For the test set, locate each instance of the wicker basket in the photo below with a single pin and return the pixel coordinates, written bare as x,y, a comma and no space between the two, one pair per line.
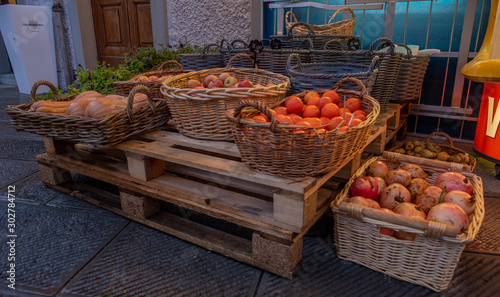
410,77
111,130
123,88
314,76
269,59
344,27
199,113
390,62
275,149
446,146
203,60
293,40
429,260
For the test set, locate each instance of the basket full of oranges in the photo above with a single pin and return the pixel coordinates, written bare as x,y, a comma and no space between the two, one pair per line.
306,134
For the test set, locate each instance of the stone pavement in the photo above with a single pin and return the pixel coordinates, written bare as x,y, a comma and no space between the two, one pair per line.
66,247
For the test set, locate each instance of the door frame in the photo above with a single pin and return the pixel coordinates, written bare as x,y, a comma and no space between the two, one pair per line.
80,12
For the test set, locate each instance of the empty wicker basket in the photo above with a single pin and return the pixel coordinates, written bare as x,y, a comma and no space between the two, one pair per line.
344,27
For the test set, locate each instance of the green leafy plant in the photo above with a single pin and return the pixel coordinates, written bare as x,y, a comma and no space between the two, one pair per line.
101,80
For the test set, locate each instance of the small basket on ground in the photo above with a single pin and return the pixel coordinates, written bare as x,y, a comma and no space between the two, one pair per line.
278,149
292,40
429,260
270,59
410,77
314,76
123,88
199,113
390,62
113,129
204,60
444,146
344,27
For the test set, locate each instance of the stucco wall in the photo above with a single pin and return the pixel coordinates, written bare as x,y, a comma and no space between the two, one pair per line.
203,22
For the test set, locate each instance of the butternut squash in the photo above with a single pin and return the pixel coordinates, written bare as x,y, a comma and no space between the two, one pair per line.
49,106
140,100
78,106
101,107
88,94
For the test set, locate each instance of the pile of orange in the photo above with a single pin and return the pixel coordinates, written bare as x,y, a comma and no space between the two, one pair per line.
324,112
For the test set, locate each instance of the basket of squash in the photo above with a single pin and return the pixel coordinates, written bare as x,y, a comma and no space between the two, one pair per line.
90,116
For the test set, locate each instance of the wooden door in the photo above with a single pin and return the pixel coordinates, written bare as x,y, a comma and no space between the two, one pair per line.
121,27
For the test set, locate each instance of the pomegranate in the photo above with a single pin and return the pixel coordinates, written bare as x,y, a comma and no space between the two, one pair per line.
359,201
462,199
366,187
399,176
408,210
414,170
428,197
378,168
416,186
393,195
454,181
384,230
373,203
381,185
449,214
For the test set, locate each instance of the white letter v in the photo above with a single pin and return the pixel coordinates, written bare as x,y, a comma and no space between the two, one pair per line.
492,123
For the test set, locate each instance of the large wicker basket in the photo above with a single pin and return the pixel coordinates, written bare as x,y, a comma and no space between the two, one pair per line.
429,260
446,146
199,113
390,62
314,76
111,130
275,149
292,40
270,59
123,88
410,77
344,27
204,60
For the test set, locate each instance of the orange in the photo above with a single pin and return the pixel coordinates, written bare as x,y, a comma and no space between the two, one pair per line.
335,122
264,116
343,129
294,104
359,116
281,110
324,101
330,110
302,123
289,97
332,95
355,122
359,111
284,119
295,118
310,95
311,111
259,119
325,121
313,101
315,122
353,104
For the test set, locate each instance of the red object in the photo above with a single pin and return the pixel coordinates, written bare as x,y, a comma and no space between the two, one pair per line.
487,138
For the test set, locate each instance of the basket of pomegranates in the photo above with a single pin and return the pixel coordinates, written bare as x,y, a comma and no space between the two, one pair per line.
306,134
410,221
198,100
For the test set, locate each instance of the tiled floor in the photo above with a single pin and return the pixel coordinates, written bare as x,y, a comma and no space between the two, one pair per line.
67,247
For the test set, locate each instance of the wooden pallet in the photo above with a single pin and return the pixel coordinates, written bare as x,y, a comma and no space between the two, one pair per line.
394,121
202,176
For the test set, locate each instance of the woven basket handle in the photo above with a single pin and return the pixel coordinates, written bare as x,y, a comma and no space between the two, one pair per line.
294,18
384,40
130,103
44,83
333,41
222,42
239,41
309,42
375,64
239,56
310,32
207,47
450,141
409,54
289,61
342,9
260,107
171,62
362,88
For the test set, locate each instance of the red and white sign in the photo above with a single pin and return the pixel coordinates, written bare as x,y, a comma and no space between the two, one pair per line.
487,138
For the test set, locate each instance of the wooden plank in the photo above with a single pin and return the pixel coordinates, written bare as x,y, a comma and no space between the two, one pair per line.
53,175
144,168
393,122
240,209
213,164
138,205
54,146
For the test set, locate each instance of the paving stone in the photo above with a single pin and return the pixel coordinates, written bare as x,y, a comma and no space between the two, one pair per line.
31,189
488,237
53,244
67,201
12,170
25,149
323,274
145,262
9,132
